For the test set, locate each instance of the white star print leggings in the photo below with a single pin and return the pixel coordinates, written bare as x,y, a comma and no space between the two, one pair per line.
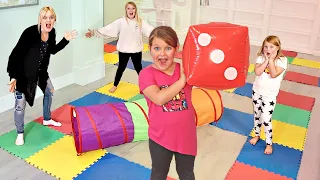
263,108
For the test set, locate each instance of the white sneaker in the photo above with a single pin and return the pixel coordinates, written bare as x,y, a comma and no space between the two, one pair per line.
51,122
19,140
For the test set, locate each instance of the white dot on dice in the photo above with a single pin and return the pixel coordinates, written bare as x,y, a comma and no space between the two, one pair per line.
230,73
217,56
204,39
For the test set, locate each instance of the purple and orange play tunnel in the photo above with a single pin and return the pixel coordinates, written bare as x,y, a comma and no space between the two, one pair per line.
111,124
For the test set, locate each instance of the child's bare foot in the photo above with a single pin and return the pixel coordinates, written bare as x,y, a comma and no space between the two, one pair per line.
254,140
268,149
113,89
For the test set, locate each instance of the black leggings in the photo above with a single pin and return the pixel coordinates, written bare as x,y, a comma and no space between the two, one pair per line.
123,61
161,159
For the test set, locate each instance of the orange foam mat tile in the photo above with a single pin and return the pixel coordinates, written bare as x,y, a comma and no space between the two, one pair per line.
243,171
109,48
62,115
61,161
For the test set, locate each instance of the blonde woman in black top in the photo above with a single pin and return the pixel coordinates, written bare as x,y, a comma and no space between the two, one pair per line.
28,67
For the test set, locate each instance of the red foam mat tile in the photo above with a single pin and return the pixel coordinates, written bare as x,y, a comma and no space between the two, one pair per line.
109,48
301,78
295,100
289,53
62,114
247,172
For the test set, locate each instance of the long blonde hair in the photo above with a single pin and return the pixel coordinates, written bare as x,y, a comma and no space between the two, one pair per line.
136,16
43,11
275,41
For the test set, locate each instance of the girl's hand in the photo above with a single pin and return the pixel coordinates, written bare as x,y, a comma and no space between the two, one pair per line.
12,85
273,56
70,35
183,77
89,34
266,58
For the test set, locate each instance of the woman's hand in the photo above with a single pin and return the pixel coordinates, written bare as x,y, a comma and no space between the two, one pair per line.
70,35
89,34
12,85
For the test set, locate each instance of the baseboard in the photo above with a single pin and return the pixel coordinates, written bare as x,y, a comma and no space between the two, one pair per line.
89,74
7,101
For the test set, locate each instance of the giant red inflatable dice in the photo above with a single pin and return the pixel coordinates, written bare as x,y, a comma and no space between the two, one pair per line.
216,55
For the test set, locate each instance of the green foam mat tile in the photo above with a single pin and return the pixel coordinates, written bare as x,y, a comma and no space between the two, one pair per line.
36,137
291,115
290,59
136,97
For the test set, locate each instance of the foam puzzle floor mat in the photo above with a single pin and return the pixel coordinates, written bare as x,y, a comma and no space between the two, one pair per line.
94,98
286,134
115,167
248,172
306,63
131,66
286,98
284,161
44,144
235,121
289,53
60,159
113,42
136,97
36,137
124,90
109,48
61,114
302,78
291,115
111,58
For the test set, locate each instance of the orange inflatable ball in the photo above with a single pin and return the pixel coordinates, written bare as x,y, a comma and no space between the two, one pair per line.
207,104
216,55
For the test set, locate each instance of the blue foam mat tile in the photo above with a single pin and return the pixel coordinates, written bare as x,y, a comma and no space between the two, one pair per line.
113,42
284,160
245,90
114,167
93,99
318,82
235,121
130,64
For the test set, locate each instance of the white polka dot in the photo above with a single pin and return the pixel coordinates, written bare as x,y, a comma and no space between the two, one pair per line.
217,56
230,73
204,39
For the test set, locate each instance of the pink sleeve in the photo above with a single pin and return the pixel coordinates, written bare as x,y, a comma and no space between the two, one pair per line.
146,79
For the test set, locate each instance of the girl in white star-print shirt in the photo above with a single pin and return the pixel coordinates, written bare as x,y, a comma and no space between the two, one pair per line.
269,69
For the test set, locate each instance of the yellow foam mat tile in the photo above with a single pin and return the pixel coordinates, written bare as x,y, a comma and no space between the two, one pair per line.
285,134
306,63
145,47
124,90
61,161
251,68
111,58
230,90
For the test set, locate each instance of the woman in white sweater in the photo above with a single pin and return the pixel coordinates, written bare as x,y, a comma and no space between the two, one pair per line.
130,30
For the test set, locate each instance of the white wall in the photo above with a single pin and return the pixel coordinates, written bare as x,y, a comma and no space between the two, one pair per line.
296,22
71,65
175,13
113,10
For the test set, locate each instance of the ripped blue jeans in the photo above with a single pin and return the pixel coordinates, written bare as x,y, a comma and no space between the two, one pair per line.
20,105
